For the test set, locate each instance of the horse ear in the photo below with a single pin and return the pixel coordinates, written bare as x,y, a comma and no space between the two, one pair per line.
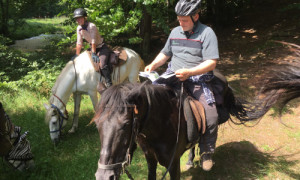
136,94
132,97
46,106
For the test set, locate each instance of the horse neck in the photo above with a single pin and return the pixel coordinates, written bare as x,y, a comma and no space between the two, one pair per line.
63,91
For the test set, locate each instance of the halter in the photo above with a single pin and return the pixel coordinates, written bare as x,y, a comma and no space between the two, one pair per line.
127,158
61,116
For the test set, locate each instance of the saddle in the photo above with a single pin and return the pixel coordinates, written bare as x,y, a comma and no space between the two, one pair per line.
117,57
194,111
195,118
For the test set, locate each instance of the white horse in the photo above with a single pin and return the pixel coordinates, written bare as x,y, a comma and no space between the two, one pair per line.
84,82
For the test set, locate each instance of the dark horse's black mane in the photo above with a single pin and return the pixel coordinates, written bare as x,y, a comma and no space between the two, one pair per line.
123,94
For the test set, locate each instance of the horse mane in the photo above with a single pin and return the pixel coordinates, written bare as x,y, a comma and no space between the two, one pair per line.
112,99
128,93
160,95
62,74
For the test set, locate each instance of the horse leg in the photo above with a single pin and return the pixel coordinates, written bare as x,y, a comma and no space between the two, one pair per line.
94,99
189,164
152,166
77,100
175,170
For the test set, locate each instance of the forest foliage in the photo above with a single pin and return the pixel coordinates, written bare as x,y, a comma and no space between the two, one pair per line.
129,23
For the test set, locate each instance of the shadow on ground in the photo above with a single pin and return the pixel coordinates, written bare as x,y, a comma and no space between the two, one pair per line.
242,160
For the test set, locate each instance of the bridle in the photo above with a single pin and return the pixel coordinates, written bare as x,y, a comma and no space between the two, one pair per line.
127,159
61,116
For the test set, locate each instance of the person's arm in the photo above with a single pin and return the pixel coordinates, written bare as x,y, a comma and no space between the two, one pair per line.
79,41
78,49
93,48
204,67
160,59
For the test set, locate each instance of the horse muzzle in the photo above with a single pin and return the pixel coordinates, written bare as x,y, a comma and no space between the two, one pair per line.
102,174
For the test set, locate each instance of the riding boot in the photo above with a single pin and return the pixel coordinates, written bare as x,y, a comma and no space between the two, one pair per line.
107,75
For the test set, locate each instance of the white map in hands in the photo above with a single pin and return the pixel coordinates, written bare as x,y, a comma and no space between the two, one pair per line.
153,75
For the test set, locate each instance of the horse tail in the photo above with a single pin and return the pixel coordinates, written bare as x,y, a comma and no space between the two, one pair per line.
282,86
235,106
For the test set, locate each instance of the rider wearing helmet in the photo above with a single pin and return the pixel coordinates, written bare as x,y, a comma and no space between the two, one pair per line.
100,52
193,49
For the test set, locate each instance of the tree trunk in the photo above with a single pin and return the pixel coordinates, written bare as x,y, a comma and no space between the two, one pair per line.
146,32
4,17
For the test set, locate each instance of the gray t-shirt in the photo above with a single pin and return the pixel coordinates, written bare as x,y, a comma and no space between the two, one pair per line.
188,53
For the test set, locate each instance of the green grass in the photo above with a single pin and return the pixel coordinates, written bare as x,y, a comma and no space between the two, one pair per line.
77,154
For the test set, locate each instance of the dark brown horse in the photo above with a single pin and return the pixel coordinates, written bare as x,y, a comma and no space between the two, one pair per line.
150,114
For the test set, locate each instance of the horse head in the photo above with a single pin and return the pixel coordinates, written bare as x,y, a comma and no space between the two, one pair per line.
122,117
117,123
56,120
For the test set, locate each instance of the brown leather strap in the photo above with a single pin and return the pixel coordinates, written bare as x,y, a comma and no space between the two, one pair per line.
199,114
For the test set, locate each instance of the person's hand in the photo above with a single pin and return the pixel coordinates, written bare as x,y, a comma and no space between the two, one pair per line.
74,57
182,74
148,68
95,58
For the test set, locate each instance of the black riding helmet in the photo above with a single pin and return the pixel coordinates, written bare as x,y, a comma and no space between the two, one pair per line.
80,12
187,7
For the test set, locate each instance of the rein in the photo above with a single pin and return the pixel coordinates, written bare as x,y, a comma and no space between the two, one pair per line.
61,115
75,75
178,130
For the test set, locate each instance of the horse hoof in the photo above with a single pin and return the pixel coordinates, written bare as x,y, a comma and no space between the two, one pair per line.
71,131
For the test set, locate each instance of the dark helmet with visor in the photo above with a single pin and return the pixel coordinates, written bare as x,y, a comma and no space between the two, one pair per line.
80,12
187,7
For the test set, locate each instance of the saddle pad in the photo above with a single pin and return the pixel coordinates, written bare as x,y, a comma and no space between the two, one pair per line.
122,53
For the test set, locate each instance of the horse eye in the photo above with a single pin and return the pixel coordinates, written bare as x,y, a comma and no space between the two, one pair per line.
54,123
